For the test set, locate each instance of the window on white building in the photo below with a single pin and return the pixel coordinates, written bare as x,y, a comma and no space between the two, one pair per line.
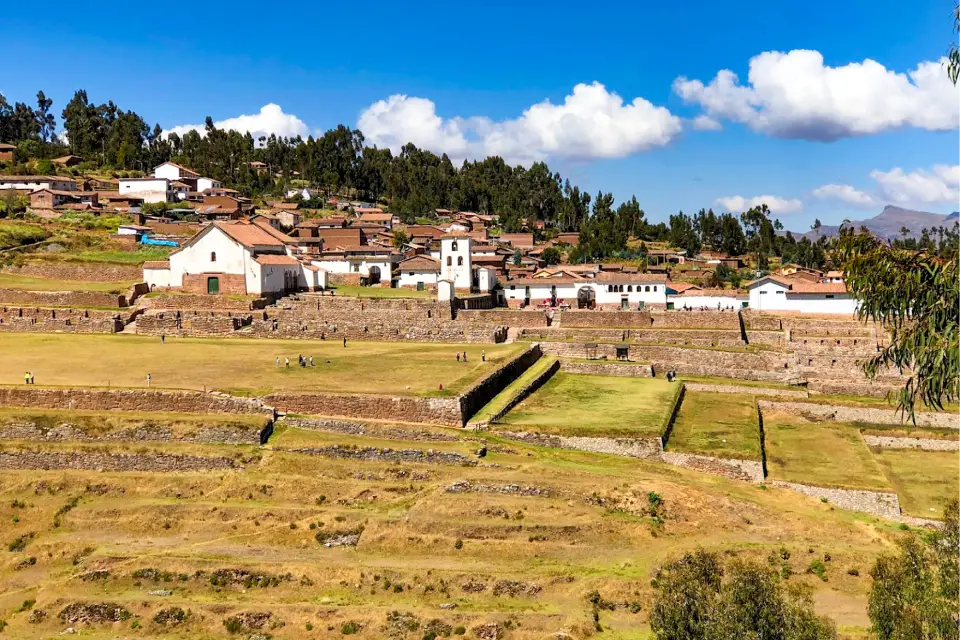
449,261
213,256
647,288
459,261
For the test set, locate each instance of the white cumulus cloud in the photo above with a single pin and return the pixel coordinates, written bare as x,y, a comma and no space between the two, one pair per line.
941,184
270,119
706,123
591,123
776,204
844,193
794,95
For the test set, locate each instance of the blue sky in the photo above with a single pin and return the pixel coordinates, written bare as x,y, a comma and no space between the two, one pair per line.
477,67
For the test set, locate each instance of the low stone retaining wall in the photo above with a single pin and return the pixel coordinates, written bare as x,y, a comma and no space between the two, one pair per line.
607,369
393,432
62,298
196,324
188,301
528,389
860,388
630,447
374,454
97,461
371,326
485,390
372,407
754,391
208,434
924,444
866,415
748,470
757,321
682,337
77,271
39,320
885,505
504,317
767,367
648,320
129,400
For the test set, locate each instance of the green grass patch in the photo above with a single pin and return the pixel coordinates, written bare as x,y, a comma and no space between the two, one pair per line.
141,255
405,368
924,480
496,405
588,405
724,425
819,453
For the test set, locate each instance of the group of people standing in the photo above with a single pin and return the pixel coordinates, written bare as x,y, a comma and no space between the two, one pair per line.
462,357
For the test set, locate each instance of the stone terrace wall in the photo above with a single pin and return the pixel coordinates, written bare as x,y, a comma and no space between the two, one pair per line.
646,320
691,337
129,400
80,271
885,505
924,444
504,317
769,338
630,447
756,321
761,366
755,391
209,434
473,399
373,407
21,319
371,326
749,470
606,369
190,301
864,415
199,324
864,387
61,298
540,380
367,305
99,461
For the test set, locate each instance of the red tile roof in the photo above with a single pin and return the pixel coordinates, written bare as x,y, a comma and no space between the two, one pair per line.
819,287
273,259
248,234
420,263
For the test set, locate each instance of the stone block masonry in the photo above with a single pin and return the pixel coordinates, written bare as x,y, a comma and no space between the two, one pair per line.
374,454
646,320
923,444
745,390
630,447
748,470
505,317
99,461
129,400
486,389
62,298
207,434
191,302
198,324
606,369
229,284
38,320
885,505
862,415
77,271
372,407
528,389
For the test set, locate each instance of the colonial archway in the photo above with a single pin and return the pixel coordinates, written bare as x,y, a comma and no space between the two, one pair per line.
586,298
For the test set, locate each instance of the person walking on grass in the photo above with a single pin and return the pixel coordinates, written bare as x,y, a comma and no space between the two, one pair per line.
483,355
311,361
163,338
344,341
458,356
278,362
286,362
26,378
32,381
148,379
464,356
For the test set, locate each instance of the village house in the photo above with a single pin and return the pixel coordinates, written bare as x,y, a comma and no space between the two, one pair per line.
33,183
780,293
67,161
239,258
153,190
54,198
693,297
517,240
605,289
8,153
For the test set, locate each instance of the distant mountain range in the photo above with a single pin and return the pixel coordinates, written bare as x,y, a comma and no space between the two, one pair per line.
889,222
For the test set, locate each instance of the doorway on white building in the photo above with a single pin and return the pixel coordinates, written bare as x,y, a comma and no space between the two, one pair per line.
586,298
374,277
213,286
624,303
